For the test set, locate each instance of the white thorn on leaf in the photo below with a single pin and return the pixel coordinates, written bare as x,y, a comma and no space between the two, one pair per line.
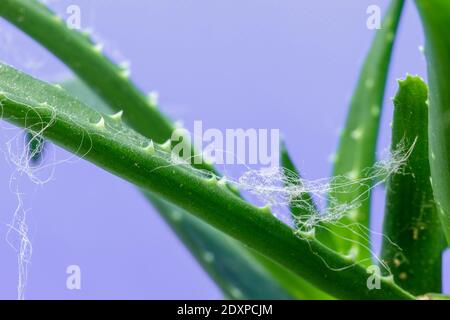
333,158
266,209
353,215
117,116
125,65
125,69
208,257
153,98
353,174
150,147
98,48
125,74
236,293
57,18
422,49
101,123
179,124
356,134
87,32
352,253
388,278
176,216
167,146
222,181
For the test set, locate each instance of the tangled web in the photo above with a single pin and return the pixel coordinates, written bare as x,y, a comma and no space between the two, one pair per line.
281,187
278,186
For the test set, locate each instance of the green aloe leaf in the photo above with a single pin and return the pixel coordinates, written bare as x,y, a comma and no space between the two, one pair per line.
86,59
297,286
435,16
358,141
106,142
413,247
226,261
238,272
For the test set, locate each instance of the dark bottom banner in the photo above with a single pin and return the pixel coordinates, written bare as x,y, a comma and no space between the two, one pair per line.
218,309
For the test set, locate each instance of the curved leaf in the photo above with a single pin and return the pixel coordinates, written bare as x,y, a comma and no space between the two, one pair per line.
108,143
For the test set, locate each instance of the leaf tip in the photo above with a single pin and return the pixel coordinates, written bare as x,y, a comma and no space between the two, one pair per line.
411,86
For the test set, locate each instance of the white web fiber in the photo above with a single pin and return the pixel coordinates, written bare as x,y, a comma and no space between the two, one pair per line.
279,187
30,165
18,156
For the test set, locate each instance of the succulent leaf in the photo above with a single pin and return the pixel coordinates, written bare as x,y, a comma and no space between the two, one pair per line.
66,121
414,239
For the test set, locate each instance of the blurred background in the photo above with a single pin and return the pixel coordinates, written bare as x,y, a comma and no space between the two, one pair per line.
290,65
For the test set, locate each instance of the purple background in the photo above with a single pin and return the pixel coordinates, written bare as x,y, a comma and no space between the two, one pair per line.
231,63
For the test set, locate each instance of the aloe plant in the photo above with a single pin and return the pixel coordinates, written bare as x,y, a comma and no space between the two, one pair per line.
244,248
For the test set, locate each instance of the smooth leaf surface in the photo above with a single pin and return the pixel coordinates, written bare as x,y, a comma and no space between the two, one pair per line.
238,274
